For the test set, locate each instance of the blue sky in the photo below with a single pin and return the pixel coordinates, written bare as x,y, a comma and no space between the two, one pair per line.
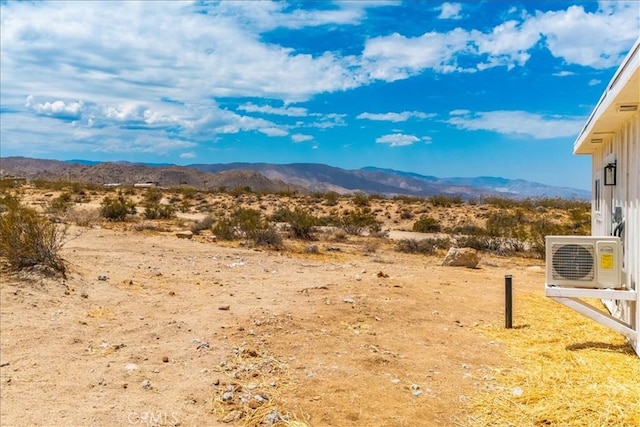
477,88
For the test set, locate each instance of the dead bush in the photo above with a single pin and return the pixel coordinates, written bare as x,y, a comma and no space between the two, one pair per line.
204,224
28,239
268,237
424,246
83,217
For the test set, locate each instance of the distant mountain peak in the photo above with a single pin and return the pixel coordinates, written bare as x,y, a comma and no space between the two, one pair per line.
311,177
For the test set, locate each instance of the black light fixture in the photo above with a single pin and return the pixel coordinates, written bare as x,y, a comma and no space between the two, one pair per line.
610,174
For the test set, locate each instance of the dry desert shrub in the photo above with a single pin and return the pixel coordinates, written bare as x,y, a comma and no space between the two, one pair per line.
269,237
117,209
28,239
154,208
204,224
425,246
83,217
427,224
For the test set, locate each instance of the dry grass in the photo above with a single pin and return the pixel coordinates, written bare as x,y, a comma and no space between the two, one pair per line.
568,371
249,395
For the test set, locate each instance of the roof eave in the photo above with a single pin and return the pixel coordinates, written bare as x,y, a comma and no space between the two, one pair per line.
623,90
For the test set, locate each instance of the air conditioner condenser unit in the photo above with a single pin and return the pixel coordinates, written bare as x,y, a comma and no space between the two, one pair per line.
584,261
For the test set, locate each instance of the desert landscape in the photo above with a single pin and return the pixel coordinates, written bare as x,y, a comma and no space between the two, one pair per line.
242,308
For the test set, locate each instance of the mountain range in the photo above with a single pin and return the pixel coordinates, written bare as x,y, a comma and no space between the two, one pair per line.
300,177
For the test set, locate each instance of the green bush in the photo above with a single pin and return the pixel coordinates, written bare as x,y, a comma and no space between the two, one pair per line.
361,200
224,229
426,224
469,230
501,202
154,209
28,239
300,221
406,214
331,199
357,221
60,204
244,222
507,224
445,200
118,208
249,221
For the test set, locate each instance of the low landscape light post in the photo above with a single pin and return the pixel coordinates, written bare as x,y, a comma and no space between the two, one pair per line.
508,302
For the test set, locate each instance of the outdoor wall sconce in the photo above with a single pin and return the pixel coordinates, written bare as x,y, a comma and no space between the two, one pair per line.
610,174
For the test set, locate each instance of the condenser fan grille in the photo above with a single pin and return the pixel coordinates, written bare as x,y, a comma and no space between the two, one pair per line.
573,262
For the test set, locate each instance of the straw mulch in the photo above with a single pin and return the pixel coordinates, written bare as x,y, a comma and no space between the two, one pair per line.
568,371
248,393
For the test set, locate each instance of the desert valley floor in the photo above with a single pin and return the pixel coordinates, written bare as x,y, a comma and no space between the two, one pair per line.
335,338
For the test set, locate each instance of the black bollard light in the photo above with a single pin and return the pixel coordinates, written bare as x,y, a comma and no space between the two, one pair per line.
508,302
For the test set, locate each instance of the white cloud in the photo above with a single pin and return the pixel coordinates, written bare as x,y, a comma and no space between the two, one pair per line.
273,131
394,117
267,109
188,155
450,11
564,73
520,123
298,137
594,82
267,15
58,108
397,140
597,39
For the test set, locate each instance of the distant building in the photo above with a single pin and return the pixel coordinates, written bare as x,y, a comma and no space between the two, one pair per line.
148,184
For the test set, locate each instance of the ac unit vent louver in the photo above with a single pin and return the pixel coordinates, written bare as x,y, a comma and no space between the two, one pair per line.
573,262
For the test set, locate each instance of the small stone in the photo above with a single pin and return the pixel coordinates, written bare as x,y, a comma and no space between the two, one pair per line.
232,416
146,384
395,380
130,367
83,294
224,307
227,396
272,417
184,234
348,300
103,278
260,398
165,359
417,393
517,392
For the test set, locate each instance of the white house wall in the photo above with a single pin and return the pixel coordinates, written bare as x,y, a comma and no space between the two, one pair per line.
624,147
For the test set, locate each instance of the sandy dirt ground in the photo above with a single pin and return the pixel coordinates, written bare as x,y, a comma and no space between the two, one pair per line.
149,329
